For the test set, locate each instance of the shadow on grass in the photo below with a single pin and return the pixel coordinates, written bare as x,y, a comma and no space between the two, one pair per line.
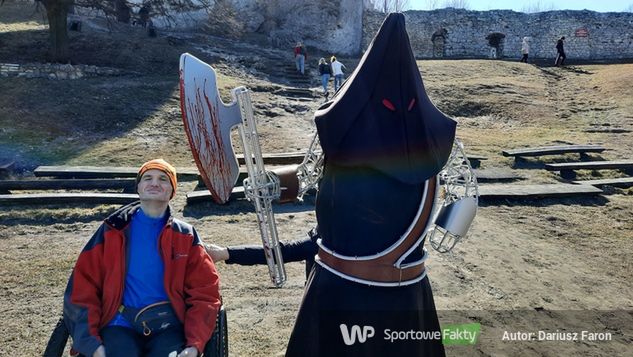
53,121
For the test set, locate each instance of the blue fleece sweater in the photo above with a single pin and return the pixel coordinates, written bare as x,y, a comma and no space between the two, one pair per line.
145,268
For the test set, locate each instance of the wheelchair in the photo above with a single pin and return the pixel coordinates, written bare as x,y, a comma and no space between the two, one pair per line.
218,345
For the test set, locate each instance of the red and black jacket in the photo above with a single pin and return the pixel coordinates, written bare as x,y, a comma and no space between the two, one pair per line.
95,288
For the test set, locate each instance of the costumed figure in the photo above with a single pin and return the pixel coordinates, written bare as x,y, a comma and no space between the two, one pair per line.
385,144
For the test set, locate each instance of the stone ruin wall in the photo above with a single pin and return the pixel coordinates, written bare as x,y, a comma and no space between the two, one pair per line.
55,71
345,27
332,25
456,33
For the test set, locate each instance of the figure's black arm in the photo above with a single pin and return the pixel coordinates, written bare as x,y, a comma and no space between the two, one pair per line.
293,251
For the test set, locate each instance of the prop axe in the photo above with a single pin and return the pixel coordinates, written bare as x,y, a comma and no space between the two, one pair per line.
208,123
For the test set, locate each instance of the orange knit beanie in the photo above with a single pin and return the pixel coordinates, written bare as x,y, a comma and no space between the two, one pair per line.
162,165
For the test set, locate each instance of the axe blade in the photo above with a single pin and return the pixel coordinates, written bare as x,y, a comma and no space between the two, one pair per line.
208,122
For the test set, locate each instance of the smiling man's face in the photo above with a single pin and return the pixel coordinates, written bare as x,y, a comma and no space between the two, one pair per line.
154,186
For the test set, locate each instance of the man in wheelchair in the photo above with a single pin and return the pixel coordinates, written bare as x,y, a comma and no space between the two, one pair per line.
143,285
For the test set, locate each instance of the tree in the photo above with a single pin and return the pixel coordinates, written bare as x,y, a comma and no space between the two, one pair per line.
537,6
432,4
457,4
387,6
57,15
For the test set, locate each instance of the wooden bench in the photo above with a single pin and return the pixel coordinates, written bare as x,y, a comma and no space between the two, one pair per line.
68,198
205,195
475,160
495,175
284,158
487,175
615,182
607,130
289,158
92,172
553,150
127,184
567,168
495,191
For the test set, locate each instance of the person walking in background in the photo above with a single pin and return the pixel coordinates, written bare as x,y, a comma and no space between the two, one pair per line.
560,58
325,71
525,49
301,55
337,69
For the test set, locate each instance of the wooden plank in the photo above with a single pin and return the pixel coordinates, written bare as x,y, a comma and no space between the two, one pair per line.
283,158
615,182
290,158
485,191
495,175
485,175
607,130
68,184
590,165
184,174
553,150
68,198
534,191
205,195
476,157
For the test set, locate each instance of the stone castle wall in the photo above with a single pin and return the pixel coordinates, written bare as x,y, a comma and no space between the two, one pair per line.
331,25
458,33
345,27
55,71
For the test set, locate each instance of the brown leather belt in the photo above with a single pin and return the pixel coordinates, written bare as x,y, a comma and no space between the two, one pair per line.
371,270
383,269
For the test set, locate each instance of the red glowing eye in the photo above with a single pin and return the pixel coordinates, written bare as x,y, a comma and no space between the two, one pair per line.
388,105
411,104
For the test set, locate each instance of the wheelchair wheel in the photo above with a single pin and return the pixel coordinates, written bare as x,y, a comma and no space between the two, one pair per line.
57,341
218,345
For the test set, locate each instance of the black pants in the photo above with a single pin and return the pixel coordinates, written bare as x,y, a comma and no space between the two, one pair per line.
560,59
124,342
524,58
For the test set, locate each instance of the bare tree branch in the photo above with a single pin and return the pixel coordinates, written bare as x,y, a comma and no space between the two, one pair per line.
457,4
387,6
538,6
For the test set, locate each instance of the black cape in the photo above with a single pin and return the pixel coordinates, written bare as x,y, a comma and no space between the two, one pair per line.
383,140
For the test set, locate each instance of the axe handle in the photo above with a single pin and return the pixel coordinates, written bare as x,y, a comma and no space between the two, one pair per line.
261,188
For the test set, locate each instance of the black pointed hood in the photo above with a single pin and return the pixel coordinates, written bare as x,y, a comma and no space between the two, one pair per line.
382,117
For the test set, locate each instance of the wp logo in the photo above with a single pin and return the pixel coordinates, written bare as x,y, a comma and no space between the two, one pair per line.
356,332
